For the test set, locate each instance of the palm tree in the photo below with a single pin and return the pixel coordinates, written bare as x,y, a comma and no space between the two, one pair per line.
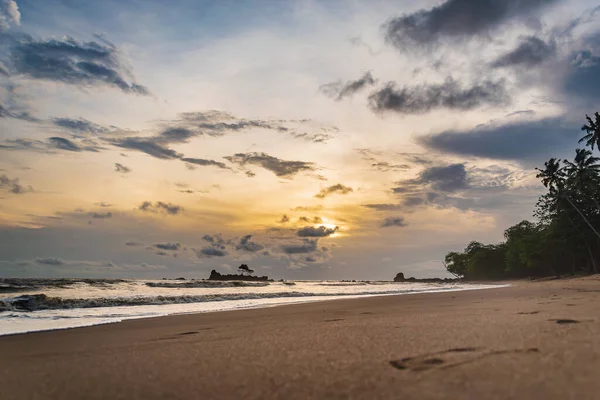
583,173
552,176
592,130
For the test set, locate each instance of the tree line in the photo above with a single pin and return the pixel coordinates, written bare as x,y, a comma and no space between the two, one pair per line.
564,238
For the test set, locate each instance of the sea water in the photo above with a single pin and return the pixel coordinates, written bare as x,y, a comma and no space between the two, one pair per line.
70,303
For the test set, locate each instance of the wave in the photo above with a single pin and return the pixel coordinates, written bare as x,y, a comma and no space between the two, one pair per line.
42,302
19,284
206,284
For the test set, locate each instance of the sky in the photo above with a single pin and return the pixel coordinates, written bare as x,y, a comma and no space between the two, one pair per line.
309,139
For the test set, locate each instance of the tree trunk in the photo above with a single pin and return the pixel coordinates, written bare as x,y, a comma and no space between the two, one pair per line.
592,258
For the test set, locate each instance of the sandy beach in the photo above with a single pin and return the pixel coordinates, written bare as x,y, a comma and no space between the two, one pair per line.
532,340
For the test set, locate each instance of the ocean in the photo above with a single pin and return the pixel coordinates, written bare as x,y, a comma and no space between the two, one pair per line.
28,305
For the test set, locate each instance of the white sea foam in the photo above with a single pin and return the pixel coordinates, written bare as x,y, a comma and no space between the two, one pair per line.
79,303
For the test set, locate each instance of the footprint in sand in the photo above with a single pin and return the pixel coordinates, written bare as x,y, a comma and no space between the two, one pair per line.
451,358
564,321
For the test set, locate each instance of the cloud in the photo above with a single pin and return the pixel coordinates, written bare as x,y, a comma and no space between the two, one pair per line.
168,246
583,76
530,52
281,168
103,204
156,146
121,168
307,246
133,244
284,219
321,231
246,244
219,123
522,140
72,62
79,126
384,207
458,19
426,97
146,145
97,215
314,220
160,207
339,90
445,178
50,261
385,166
9,14
212,251
335,189
13,185
204,163
394,221
68,145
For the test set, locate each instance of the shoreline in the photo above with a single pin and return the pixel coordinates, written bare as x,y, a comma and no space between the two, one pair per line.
264,303
528,340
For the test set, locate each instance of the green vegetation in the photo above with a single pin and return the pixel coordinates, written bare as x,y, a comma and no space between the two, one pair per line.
565,239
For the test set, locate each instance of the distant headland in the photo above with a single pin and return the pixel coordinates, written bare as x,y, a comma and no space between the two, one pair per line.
244,275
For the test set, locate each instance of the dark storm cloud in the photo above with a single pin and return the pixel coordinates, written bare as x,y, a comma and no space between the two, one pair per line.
246,244
72,62
393,221
307,246
204,163
13,185
168,246
282,168
161,207
320,231
530,52
79,126
339,90
457,19
450,94
121,168
335,189
528,140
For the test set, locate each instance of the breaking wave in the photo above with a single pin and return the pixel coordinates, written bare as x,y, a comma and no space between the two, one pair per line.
42,302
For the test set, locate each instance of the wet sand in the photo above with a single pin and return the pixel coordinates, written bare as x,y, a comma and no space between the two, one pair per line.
533,340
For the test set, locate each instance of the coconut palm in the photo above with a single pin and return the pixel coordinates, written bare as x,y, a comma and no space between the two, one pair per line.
584,172
592,130
553,175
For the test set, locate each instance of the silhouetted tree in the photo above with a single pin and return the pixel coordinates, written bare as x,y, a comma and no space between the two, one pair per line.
592,130
244,269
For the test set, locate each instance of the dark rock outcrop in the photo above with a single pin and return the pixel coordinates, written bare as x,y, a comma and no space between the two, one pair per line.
400,278
215,276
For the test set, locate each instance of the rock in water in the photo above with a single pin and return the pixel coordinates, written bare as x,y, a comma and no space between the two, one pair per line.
399,277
